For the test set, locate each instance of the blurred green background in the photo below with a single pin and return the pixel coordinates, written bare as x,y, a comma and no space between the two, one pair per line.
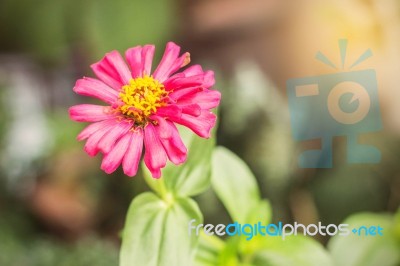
58,208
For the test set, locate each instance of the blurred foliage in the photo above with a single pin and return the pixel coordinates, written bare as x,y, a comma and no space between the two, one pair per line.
137,22
369,250
41,252
21,245
4,119
50,30
64,131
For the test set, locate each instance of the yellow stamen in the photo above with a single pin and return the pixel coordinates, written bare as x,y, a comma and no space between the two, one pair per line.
141,98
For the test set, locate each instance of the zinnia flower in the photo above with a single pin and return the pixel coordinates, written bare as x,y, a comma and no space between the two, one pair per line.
142,108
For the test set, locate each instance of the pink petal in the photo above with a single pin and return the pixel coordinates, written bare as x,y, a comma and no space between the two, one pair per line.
134,58
90,113
154,156
95,88
193,70
209,79
140,60
184,82
113,159
173,145
131,160
206,99
107,142
171,79
147,59
182,61
191,109
169,111
175,76
194,75
171,54
163,128
112,70
92,128
201,125
176,94
91,146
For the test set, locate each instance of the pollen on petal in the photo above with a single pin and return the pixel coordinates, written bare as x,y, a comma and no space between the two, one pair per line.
186,61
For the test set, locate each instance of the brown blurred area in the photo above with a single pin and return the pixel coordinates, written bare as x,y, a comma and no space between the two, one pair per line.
283,37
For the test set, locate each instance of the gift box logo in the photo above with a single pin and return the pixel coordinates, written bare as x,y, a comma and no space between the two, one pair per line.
339,104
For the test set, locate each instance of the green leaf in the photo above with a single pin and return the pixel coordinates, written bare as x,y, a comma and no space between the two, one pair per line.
156,232
294,250
208,251
262,212
234,184
190,178
355,250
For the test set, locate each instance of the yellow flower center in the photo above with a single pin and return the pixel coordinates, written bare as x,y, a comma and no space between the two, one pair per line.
141,98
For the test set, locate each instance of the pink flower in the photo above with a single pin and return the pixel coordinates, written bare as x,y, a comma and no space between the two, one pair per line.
142,108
